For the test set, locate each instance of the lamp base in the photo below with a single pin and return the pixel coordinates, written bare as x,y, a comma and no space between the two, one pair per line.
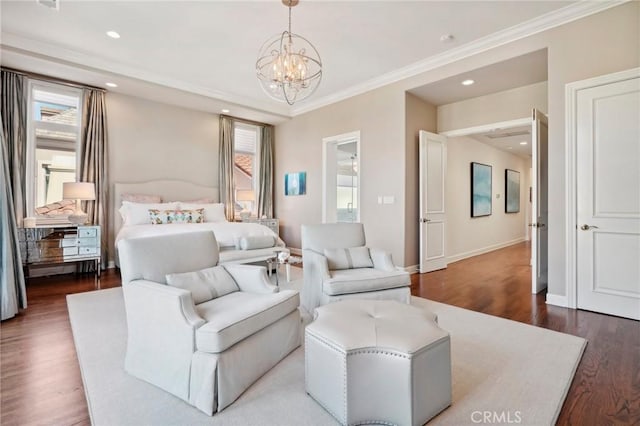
79,218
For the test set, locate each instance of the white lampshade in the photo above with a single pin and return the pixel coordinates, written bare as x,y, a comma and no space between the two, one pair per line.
79,191
245,195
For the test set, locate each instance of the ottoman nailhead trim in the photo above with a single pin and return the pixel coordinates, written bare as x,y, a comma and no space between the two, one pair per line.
378,351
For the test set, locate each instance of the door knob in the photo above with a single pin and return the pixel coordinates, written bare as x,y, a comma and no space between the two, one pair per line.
586,227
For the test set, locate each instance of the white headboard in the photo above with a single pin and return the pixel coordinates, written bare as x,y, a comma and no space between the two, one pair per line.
169,190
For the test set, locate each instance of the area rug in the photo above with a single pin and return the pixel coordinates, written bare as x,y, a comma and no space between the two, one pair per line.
503,372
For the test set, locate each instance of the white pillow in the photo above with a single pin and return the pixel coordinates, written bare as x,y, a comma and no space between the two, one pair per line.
348,258
138,213
213,212
204,285
256,242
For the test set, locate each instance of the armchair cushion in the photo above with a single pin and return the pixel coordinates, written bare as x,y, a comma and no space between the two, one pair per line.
363,280
348,258
238,315
204,285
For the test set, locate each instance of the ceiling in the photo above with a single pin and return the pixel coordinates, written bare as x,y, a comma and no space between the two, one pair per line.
202,54
510,140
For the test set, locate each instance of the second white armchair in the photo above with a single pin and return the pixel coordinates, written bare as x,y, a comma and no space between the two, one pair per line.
338,265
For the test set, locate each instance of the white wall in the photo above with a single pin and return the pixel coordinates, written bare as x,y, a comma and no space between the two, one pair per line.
380,116
501,106
467,236
149,140
598,44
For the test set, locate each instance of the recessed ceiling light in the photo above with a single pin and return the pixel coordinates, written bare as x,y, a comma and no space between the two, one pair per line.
111,84
523,143
468,82
446,38
113,34
225,111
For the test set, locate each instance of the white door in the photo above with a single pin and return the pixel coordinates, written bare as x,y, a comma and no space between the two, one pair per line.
608,198
433,219
539,202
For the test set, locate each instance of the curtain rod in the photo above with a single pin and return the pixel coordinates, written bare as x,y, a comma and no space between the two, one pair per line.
243,120
52,79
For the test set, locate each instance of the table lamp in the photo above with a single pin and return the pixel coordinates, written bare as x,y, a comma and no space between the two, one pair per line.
78,191
245,195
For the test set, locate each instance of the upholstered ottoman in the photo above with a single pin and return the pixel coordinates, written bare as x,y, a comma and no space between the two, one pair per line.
378,361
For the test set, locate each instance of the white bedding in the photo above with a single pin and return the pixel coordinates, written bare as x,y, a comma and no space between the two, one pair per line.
227,233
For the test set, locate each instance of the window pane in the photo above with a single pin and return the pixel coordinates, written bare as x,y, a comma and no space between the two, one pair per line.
55,113
245,174
53,168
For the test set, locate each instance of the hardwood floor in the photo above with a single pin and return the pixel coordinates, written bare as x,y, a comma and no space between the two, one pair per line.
606,386
40,381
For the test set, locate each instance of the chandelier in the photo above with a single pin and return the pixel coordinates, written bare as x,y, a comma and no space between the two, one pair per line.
289,67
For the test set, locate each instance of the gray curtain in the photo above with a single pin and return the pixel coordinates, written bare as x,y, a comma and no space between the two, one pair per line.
14,126
265,193
226,158
13,121
93,164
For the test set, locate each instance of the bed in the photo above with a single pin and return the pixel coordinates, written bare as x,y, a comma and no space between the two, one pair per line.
228,234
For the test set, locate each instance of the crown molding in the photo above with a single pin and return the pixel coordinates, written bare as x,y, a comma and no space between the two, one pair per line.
58,54
537,25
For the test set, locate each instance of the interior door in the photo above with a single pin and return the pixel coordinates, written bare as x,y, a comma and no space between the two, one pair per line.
608,198
539,208
433,219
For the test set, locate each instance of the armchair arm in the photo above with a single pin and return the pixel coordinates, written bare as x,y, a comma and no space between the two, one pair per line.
316,271
161,325
382,260
251,278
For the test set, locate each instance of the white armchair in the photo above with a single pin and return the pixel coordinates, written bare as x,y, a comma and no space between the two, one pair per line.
338,266
204,349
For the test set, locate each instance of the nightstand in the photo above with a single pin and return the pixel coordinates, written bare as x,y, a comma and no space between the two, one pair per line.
273,224
44,245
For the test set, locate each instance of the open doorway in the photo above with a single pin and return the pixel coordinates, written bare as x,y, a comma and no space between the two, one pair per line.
516,149
486,115
341,178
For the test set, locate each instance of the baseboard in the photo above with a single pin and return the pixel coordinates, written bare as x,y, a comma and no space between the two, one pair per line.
483,250
295,251
412,269
111,264
557,300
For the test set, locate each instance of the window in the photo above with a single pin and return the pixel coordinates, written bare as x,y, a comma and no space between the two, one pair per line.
245,173
52,142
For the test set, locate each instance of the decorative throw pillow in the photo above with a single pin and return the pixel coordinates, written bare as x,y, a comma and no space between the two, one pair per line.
162,217
348,258
138,213
189,216
142,198
212,212
204,285
256,242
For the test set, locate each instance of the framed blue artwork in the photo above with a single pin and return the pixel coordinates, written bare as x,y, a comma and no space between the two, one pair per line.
512,191
295,183
480,190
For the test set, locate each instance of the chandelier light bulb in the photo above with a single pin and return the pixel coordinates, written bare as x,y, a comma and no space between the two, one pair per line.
289,67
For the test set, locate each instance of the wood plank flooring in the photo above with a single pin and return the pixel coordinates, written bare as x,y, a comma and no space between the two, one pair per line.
40,382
